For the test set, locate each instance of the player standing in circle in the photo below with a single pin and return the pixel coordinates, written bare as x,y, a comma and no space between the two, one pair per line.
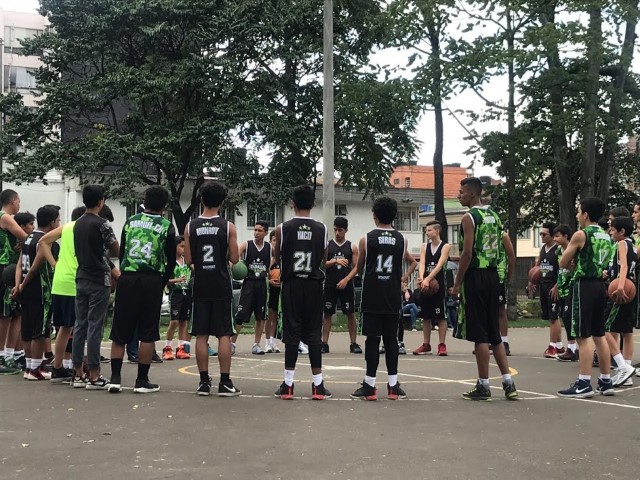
256,254
384,250
477,284
434,256
147,260
591,246
341,268
211,242
179,305
271,324
301,250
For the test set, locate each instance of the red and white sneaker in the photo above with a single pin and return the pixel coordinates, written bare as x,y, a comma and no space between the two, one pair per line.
423,349
442,350
550,352
38,374
167,353
560,351
182,354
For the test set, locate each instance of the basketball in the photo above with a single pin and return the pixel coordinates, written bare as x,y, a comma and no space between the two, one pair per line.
239,271
9,275
535,275
629,289
432,289
274,274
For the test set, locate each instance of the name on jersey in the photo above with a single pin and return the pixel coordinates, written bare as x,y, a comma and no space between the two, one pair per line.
601,236
156,227
207,230
304,235
489,219
386,240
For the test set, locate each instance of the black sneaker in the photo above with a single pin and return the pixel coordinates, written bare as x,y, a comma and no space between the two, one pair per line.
21,361
116,384
507,349
395,392
133,359
145,386
355,348
60,375
479,392
578,389
204,388
285,392
99,383
226,389
104,359
510,392
319,392
324,348
156,358
366,392
605,387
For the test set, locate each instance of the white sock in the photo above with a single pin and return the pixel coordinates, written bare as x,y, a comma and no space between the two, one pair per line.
619,359
572,347
8,353
288,377
167,343
181,343
559,345
317,379
505,339
2,353
584,377
506,378
18,353
28,364
484,382
628,362
371,381
605,376
67,363
552,344
393,380
270,341
35,363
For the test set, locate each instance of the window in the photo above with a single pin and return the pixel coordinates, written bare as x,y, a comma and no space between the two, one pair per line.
537,241
18,78
407,220
453,234
229,213
263,212
132,207
407,182
396,181
526,235
13,36
341,210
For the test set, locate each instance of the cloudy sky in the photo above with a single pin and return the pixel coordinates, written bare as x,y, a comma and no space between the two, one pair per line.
454,145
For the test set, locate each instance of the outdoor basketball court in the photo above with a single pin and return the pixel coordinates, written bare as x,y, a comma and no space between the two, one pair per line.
56,432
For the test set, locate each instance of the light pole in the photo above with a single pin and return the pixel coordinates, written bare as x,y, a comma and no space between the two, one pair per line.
328,190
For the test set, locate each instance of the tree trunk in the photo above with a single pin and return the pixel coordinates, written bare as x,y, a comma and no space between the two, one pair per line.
612,135
438,168
180,217
594,57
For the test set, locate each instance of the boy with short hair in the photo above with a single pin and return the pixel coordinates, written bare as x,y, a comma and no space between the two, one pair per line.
384,253
271,324
179,305
561,293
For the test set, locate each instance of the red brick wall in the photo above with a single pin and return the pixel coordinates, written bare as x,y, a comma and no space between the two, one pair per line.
421,176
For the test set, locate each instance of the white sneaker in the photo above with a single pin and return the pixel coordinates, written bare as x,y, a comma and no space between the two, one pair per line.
268,348
274,347
628,383
622,374
233,348
302,348
256,349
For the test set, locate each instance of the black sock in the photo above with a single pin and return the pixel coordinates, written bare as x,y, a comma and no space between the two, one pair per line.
372,355
116,367
204,376
143,371
224,377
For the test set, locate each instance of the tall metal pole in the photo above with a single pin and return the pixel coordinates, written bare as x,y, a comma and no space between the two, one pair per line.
328,190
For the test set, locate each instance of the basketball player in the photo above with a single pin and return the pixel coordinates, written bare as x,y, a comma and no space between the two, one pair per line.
210,244
271,324
179,305
384,252
301,250
561,293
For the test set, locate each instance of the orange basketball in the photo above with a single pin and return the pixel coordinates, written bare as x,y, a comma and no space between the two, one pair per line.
274,274
432,289
535,275
629,289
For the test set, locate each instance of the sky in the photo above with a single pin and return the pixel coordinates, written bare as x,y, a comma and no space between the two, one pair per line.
454,143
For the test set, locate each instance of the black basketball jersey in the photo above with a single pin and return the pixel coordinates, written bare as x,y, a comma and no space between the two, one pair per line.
430,263
209,242
614,266
29,249
549,264
257,260
302,246
335,251
381,287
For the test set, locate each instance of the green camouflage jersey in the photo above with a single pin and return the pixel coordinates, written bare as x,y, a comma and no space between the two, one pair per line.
594,257
502,262
180,271
564,277
144,243
7,254
487,238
